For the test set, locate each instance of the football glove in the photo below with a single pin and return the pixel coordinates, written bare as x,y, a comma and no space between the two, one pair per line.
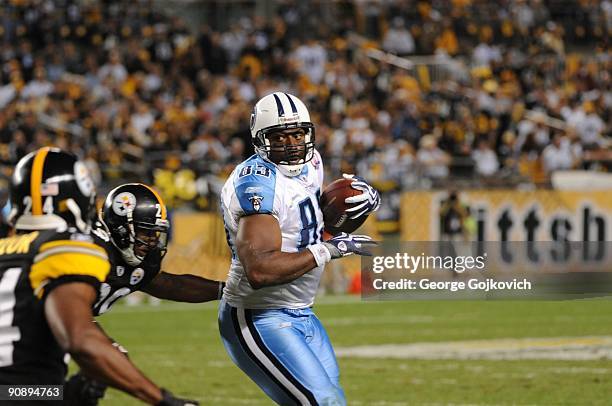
368,201
80,390
170,400
340,246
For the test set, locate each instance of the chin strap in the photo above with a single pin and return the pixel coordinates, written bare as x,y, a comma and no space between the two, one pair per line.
291,170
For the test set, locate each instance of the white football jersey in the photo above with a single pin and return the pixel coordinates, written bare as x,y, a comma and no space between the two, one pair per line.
257,187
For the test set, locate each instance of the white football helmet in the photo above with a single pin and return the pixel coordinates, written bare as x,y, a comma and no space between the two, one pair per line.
276,112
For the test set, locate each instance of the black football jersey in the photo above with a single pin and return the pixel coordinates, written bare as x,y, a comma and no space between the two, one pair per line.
123,278
31,266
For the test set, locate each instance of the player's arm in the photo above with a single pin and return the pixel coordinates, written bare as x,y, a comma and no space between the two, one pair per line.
258,244
65,275
68,312
184,288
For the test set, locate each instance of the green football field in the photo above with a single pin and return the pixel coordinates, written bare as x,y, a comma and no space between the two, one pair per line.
179,347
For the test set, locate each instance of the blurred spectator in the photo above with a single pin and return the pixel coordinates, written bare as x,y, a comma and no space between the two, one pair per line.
559,155
433,160
113,69
590,127
453,216
133,90
485,159
38,87
398,39
311,59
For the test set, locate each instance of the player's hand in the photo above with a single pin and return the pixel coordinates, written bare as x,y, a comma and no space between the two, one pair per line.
369,199
80,390
347,244
170,400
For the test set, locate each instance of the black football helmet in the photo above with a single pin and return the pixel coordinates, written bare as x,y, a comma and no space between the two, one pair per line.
134,216
51,189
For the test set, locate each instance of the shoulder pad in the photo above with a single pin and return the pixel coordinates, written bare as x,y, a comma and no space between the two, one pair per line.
255,184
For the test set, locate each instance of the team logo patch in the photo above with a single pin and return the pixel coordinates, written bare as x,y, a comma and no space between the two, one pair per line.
256,201
124,203
83,179
120,270
136,276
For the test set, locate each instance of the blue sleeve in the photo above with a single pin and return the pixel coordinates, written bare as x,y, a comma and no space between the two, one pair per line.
255,193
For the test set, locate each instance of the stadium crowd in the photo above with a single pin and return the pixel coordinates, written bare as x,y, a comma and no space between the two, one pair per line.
498,90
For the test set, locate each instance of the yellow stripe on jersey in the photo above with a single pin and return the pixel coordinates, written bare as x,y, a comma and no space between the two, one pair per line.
67,263
36,180
19,244
159,199
69,245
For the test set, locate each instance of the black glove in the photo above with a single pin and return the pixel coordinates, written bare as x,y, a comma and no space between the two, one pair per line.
80,390
170,400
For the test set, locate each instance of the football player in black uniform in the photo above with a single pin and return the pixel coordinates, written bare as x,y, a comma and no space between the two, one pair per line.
50,273
133,228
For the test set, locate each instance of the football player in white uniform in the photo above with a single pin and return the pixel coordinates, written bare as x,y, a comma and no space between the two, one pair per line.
274,227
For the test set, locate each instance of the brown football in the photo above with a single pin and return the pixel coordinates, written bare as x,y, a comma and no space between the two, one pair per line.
334,208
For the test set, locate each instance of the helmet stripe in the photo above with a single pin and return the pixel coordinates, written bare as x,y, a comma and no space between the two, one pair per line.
293,108
159,199
279,106
36,180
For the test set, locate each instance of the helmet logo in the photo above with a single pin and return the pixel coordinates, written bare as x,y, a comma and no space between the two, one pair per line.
83,180
124,203
137,275
256,201
253,118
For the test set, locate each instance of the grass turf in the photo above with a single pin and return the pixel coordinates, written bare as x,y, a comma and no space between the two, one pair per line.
178,346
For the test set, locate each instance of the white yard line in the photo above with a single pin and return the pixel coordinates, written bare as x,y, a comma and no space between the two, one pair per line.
586,348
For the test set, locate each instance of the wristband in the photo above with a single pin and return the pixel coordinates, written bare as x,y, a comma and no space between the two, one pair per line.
320,253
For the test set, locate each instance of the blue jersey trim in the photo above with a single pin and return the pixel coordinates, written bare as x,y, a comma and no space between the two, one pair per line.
255,185
304,171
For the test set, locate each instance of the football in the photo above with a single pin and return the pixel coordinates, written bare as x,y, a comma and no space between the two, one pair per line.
334,208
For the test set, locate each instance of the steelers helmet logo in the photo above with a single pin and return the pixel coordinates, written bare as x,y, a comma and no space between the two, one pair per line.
124,203
83,179
136,276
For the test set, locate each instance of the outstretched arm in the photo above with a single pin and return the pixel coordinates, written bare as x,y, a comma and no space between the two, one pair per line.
68,312
184,288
